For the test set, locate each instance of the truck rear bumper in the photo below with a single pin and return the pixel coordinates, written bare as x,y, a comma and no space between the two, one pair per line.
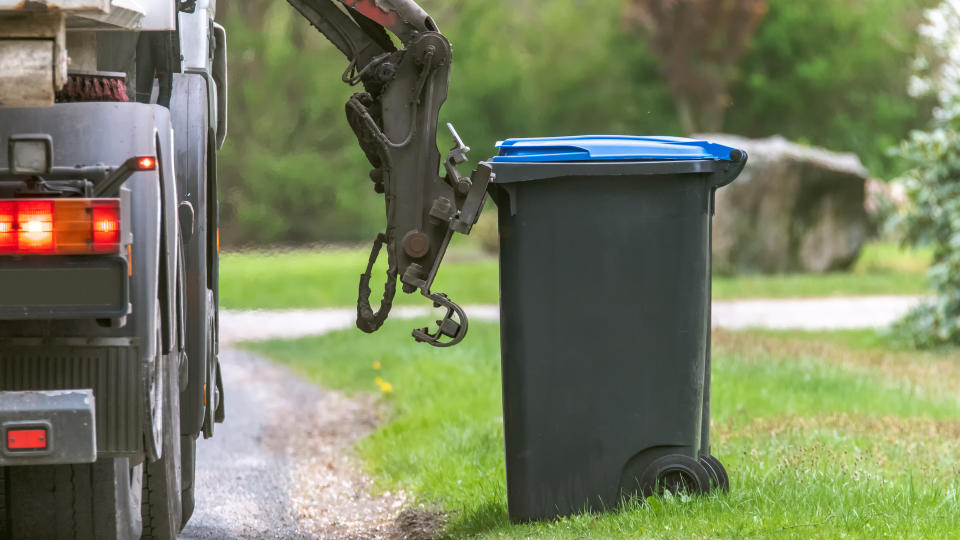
47,428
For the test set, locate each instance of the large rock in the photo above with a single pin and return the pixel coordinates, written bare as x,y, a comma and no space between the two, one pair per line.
794,209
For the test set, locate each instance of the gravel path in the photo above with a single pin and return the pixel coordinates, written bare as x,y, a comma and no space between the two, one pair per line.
807,313
274,472
281,466
813,313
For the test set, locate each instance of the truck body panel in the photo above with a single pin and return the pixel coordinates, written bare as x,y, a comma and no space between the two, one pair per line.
37,354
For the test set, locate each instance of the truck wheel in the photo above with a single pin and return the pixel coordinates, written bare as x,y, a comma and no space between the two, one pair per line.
81,502
161,484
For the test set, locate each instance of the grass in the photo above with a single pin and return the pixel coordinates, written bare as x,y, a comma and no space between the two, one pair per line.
824,434
314,279
328,278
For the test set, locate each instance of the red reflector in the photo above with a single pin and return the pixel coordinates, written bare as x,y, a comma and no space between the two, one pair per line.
35,226
146,163
27,439
106,225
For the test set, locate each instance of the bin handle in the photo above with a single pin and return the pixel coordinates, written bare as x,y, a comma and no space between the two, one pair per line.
730,170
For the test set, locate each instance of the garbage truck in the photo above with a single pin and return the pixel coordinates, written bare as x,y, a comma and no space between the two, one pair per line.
112,113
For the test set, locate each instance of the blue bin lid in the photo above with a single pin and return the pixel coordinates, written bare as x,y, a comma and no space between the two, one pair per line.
610,148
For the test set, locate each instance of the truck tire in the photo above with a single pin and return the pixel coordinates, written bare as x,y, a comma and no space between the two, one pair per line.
77,502
162,509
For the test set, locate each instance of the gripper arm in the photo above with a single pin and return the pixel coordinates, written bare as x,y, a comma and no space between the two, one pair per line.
395,120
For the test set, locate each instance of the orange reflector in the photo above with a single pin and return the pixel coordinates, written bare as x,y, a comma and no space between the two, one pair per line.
59,226
27,439
146,163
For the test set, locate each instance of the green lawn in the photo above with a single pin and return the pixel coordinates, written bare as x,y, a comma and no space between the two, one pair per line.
328,278
824,434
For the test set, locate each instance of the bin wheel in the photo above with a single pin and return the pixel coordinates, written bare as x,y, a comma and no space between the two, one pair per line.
675,473
712,463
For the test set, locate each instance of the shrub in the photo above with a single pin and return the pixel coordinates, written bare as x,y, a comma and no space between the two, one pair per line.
933,182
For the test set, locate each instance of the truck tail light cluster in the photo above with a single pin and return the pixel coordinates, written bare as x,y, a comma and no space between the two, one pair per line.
59,226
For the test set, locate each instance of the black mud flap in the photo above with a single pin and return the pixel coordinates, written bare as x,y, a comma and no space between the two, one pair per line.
219,414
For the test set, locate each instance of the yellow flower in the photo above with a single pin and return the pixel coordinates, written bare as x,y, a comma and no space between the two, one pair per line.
386,388
376,365
378,381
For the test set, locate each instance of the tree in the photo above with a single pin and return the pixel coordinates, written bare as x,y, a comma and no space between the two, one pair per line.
834,74
699,44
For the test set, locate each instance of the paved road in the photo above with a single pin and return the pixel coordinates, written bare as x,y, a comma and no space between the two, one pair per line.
243,480
265,475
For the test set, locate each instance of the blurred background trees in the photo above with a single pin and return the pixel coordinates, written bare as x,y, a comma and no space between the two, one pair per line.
824,72
698,45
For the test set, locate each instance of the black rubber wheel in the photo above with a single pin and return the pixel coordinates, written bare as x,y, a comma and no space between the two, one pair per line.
675,473
723,480
162,505
714,475
79,502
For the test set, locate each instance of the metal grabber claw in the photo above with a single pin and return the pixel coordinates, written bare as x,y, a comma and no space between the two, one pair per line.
453,328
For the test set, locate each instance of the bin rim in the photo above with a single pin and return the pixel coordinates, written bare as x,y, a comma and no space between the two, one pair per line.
721,172
592,148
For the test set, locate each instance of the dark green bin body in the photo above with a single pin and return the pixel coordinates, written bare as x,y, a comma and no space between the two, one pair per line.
605,324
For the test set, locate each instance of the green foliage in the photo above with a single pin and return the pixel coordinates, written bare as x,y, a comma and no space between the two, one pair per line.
831,73
291,170
933,185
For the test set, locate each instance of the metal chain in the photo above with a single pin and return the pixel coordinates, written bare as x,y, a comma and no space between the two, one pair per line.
367,320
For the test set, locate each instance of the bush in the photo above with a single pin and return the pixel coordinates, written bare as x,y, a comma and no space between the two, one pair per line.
933,185
933,182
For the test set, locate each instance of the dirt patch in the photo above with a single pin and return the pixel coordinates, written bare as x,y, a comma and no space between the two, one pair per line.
887,428
418,524
938,373
331,497
857,444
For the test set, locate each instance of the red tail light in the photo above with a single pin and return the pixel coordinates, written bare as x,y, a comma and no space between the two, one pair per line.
106,226
35,227
59,226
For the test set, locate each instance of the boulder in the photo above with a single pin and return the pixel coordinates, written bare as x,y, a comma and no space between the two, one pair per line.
794,209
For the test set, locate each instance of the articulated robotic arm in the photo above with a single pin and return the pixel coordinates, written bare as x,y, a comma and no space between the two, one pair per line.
395,121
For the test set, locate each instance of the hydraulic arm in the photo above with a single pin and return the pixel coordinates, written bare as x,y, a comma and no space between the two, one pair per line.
395,120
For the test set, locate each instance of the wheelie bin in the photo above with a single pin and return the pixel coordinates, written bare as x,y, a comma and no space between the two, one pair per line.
605,317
